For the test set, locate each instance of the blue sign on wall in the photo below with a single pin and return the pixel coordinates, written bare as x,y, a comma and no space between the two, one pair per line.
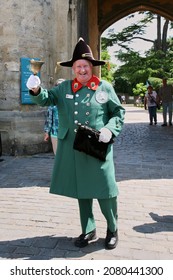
25,73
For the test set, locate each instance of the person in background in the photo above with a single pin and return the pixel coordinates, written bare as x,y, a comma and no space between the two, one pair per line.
51,124
150,101
123,98
165,94
51,127
139,101
93,102
120,99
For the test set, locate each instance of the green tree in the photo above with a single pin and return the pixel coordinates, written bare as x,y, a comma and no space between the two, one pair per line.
108,69
122,85
140,89
137,31
135,68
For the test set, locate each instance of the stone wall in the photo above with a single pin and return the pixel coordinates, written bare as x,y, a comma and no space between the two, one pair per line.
31,28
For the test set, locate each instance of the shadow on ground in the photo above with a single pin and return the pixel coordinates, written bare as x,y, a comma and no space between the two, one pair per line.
46,247
161,224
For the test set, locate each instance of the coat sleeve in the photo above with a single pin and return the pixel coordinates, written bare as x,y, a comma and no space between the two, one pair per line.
44,98
116,112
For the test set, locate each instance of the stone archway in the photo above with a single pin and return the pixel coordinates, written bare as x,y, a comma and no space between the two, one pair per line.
103,13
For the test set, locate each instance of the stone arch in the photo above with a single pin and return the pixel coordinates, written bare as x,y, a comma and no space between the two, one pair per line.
119,11
103,13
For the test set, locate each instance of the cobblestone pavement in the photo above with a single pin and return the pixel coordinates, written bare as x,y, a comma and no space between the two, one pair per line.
39,225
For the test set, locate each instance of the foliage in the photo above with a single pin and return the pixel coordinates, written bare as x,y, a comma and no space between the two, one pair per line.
133,67
137,31
157,82
136,69
140,89
108,69
122,85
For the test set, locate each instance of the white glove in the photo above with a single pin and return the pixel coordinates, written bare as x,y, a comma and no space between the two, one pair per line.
105,135
33,82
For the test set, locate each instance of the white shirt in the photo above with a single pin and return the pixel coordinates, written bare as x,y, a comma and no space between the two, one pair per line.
150,98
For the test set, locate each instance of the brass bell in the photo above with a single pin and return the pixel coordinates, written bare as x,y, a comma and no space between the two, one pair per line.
36,66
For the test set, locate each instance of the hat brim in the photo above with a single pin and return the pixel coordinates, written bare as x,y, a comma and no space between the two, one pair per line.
94,62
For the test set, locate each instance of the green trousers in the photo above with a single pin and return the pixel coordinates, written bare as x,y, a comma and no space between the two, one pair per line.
108,208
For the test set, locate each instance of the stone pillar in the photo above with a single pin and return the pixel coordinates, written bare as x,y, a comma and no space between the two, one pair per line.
93,30
67,35
82,12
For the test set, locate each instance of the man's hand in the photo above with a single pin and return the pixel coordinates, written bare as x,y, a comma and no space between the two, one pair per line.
105,135
33,83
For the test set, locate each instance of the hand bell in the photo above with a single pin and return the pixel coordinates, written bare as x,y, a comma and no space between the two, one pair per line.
36,66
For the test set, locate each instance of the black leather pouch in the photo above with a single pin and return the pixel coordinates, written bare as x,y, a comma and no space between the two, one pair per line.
87,141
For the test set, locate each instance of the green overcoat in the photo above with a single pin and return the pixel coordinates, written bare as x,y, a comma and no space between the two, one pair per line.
76,174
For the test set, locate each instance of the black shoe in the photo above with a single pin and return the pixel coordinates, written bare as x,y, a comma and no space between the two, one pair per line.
84,239
151,123
164,124
111,239
170,124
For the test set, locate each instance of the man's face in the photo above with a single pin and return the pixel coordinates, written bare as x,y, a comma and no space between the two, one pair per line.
83,70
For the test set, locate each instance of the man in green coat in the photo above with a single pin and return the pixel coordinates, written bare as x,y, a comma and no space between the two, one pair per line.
93,102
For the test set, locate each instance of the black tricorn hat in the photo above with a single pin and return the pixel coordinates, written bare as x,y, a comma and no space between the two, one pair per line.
82,51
